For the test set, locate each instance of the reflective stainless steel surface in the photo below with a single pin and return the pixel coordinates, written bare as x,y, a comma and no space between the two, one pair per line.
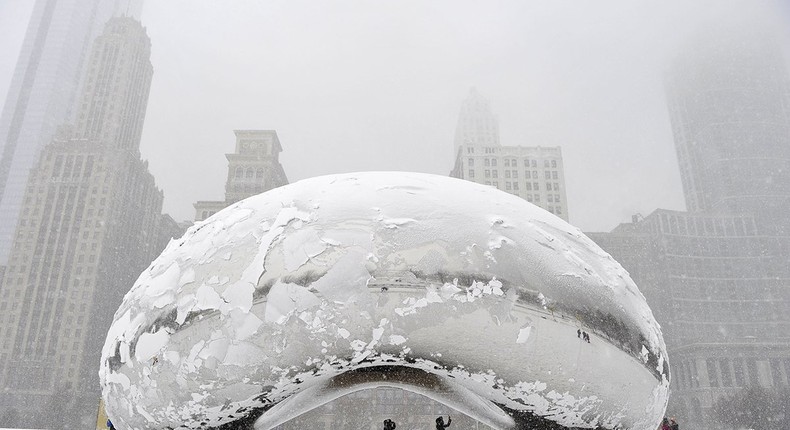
458,291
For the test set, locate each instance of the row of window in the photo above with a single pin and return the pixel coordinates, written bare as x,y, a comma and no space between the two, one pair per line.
529,186
548,174
249,173
512,162
732,372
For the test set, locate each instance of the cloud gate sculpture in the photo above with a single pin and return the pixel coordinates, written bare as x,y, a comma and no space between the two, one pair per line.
471,296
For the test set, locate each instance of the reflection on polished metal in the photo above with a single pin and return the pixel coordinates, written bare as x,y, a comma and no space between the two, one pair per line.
454,290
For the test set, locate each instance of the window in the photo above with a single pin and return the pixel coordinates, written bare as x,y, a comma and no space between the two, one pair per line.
527,175
534,163
496,184
726,378
507,162
470,150
537,197
488,173
529,186
557,198
554,175
471,173
536,186
239,172
507,172
471,162
508,186
548,186
737,367
713,376
250,173
515,173
493,162
495,173
548,174
515,185
550,198
546,163
487,162
526,162
558,210
554,164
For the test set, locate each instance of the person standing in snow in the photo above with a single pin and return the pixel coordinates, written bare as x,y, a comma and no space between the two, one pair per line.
440,425
673,425
389,424
579,333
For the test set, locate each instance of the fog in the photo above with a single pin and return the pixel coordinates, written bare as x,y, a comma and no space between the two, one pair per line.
377,86
355,87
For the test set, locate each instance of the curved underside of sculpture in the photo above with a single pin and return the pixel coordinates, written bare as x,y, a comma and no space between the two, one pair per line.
457,291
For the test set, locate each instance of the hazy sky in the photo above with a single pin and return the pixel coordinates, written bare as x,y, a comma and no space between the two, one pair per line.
352,85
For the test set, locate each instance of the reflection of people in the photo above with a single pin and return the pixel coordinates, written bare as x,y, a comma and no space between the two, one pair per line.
440,425
389,424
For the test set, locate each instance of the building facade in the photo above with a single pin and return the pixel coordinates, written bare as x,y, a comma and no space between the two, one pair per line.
477,124
252,169
535,174
729,105
43,91
718,276
90,222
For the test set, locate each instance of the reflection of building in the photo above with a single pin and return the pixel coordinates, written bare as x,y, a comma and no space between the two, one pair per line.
252,169
535,174
90,223
367,409
717,277
43,92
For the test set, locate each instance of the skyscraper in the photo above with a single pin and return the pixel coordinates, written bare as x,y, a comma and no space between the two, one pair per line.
43,90
729,104
534,173
477,124
88,226
252,169
717,276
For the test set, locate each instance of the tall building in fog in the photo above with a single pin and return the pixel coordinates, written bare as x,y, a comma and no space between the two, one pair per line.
477,124
729,104
43,90
718,276
90,222
533,173
252,169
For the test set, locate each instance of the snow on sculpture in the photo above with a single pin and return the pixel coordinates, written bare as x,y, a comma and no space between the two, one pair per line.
458,291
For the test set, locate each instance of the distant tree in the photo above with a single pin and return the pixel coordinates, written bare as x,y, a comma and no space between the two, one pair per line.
754,408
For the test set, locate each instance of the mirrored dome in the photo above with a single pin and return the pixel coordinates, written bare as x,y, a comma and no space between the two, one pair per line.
454,290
